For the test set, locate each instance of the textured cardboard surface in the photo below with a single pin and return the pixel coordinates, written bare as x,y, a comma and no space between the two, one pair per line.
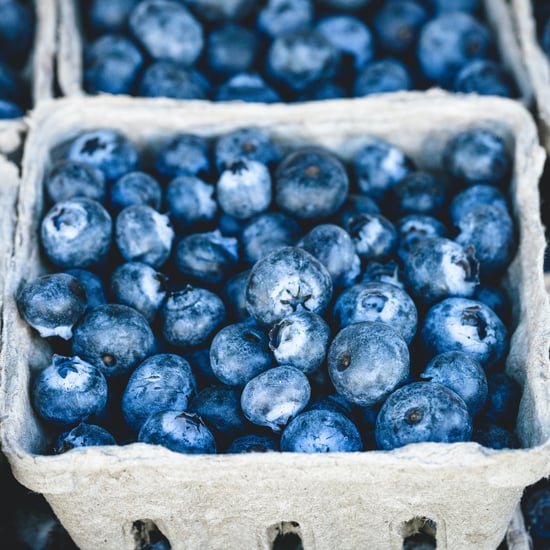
71,40
40,71
535,61
339,500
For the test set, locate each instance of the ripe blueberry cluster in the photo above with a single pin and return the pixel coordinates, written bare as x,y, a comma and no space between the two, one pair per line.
282,50
232,294
17,25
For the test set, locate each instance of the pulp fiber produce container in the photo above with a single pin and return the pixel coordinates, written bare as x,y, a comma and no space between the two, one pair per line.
39,72
463,494
496,14
535,61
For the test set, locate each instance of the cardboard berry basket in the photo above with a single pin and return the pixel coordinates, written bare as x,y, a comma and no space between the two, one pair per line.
536,63
497,15
39,72
463,494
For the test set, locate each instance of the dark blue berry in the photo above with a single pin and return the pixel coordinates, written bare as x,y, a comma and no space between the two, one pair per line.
275,397
83,435
367,361
167,79
76,233
93,286
249,87
114,338
69,391
422,412
190,317
253,443
135,188
178,431
183,155
382,76
161,382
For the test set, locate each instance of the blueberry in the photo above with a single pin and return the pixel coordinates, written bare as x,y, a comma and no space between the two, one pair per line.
231,49
495,298
367,361
167,79
494,436
441,6
311,183
321,431
144,235
536,508
69,391
135,188
422,412
461,373
350,36
183,155
347,5
209,258
167,31
484,77
267,233
221,10
68,179
190,202
253,443
9,110
140,286
412,228
297,59
239,352
479,194
382,76
333,402
503,399
191,316
384,272
249,87
300,340
244,189
114,338
374,236
280,16
83,435
490,230
477,155
112,64
76,233
355,204
461,324
52,304
380,302
13,86
378,165
161,382
199,359
397,25
324,89
334,248
448,42
220,409
107,149
419,192
234,296
287,280
247,143
178,431
106,16
437,267
275,397
93,286
17,30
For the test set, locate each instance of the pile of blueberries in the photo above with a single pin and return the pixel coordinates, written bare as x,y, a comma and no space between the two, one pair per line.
17,26
232,295
288,50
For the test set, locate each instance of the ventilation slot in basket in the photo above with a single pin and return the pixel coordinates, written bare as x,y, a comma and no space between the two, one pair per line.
419,534
285,535
148,536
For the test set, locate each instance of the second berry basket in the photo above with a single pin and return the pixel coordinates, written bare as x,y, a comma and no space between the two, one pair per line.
462,495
